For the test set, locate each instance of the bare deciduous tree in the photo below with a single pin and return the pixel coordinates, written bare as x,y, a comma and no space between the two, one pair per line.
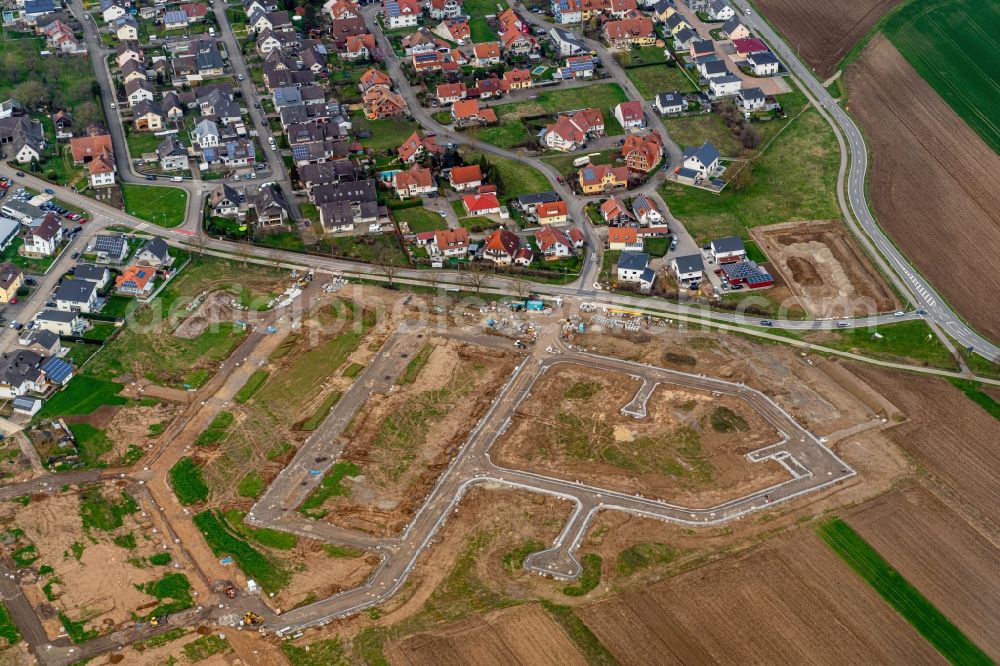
387,269
476,276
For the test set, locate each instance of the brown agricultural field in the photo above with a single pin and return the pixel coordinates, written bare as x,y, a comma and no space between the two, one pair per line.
792,601
520,635
949,435
935,184
690,448
823,32
826,269
402,441
942,555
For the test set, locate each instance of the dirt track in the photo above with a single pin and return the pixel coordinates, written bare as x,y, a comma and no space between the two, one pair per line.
826,269
935,185
824,32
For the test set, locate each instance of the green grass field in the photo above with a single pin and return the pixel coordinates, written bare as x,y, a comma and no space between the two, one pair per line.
82,395
387,133
253,384
911,341
659,78
163,206
187,481
900,594
974,391
518,178
268,572
142,142
420,219
953,46
564,163
696,130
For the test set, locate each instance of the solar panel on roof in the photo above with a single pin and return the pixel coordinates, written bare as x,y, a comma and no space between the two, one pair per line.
56,369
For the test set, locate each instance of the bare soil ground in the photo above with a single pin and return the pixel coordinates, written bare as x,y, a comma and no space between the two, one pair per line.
949,435
791,601
942,555
402,441
520,635
318,575
572,428
216,307
93,579
826,269
131,425
794,381
935,184
824,33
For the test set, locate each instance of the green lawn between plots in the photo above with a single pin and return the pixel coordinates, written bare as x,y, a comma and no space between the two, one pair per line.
952,45
564,163
163,206
386,133
518,178
900,594
142,142
653,79
420,219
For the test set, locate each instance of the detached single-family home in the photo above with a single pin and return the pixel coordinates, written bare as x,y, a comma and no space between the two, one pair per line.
468,112
724,86
734,29
20,373
745,47
683,39
567,44
688,268
454,30
444,9
359,47
99,275
126,28
486,54
76,296
634,267
481,204
60,322
416,146
553,244
624,239
400,13
129,50
449,93
670,103
112,10
703,159
342,9
710,69
601,178
173,155
517,79
44,238
147,116
675,23
135,281
727,250
552,212
630,115
718,10
615,212
450,243
763,63
138,90
571,130
270,206
577,67
463,178
225,201
642,153
629,32
645,211
110,249
155,252
699,48
518,43
415,181
751,99
11,279
501,247
567,11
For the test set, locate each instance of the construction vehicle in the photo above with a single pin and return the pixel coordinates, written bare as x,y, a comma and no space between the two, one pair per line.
251,619
225,586
157,621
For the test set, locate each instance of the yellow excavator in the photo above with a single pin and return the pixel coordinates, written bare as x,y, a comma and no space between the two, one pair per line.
251,619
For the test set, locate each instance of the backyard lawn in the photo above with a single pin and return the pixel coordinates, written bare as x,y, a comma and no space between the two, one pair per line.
696,130
659,78
564,162
478,27
420,219
163,206
386,133
518,178
142,142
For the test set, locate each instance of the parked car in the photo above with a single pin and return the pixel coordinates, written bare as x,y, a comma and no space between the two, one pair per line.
766,322
76,255
49,190
150,177
21,174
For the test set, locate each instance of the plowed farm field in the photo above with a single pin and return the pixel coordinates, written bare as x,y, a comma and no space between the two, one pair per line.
792,602
824,32
942,556
521,635
951,436
935,184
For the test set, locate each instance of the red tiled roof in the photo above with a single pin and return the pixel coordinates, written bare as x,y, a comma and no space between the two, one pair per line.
480,202
461,175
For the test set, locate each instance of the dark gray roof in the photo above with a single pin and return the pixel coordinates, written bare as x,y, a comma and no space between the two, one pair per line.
752,93
537,198
357,191
685,35
20,366
670,98
75,291
727,244
636,261
762,58
731,24
689,263
47,339
706,152
57,315
114,245
89,272
714,67
157,247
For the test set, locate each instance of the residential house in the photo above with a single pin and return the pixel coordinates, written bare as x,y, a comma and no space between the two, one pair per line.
645,211
154,252
684,38
45,343
206,134
567,11
510,20
224,201
629,32
195,11
529,202
700,48
432,61
444,9
147,116
462,178
342,9
518,43
99,275
76,296
481,204
553,244
422,41
454,30
577,67
382,102
125,28
267,42
325,173
8,232
415,181
763,63
500,247
359,47
133,70
745,47
703,159
230,153
23,136
341,29
129,50
450,243
400,13
670,103
624,239
62,39
751,99
487,88
630,115
101,170
734,29
718,10
449,93
270,206
112,10
20,370
517,79
675,23
619,9
137,91
467,112
724,86
567,44
524,256
86,148
11,279
642,153
688,268
601,178
633,267
56,321
110,249
267,21
174,19
571,130
416,146
486,54
710,69
728,250
173,155
135,281
552,212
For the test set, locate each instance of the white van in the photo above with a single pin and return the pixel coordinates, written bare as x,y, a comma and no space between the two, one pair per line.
177,179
